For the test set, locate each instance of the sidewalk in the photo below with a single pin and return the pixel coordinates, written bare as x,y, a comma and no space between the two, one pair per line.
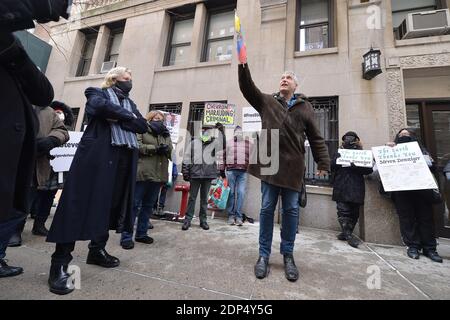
218,264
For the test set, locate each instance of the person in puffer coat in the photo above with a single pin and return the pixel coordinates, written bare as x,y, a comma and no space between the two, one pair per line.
200,168
348,189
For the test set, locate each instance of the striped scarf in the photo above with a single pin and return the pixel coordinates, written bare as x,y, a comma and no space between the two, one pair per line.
120,137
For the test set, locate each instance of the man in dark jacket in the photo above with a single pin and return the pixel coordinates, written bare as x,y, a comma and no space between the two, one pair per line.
22,85
289,117
200,168
349,189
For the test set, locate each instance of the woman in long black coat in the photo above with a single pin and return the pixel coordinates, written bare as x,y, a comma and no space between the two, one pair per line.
349,190
98,193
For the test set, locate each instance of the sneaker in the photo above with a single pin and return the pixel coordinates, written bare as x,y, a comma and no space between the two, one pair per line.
239,222
413,253
186,224
127,245
231,220
144,239
433,255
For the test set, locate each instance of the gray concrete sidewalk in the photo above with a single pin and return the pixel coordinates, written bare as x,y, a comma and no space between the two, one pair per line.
218,264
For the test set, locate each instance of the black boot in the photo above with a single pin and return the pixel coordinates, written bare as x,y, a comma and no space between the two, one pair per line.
15,240
290,269
186,224
39,228
102,258
204,225
347,230
59,280
433,255
8,271
262,267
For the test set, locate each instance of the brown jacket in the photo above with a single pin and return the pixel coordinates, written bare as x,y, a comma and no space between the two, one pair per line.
49,126
294,125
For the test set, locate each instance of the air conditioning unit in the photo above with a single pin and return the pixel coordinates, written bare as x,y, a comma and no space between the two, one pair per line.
423,24
108,65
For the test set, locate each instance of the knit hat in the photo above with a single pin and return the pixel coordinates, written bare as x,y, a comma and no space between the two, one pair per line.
350,133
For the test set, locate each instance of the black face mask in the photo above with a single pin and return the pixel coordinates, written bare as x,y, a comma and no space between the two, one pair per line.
350,142
124,86
404,139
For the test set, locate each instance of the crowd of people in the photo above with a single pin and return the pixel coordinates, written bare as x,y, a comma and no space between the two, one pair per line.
120,172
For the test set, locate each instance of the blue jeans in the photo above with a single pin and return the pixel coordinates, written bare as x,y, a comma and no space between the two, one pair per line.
237,180
7,229
145,197
290,216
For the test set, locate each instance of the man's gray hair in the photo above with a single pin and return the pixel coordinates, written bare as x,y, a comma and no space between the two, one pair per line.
292,74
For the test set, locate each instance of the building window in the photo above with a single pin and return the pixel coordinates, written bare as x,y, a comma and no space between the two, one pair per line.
326,114
196,112
167,107
314,24
219,36
112,54
401,8
87,53
76,113
179,48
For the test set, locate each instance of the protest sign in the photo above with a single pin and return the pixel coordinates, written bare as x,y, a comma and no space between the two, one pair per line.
64,154
403,168
360,158
251,120
219,112
172,122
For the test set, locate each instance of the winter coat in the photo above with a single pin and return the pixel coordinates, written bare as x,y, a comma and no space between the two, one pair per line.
22,85
84,210
49,126
152,166
199,161
294,124
237,154
348,182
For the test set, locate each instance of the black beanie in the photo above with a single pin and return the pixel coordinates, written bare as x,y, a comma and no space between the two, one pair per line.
350,133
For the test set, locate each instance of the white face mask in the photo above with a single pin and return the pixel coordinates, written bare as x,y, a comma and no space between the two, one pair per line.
61,116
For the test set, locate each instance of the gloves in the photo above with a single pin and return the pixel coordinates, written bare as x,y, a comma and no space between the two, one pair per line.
57,8
136,125
222,174
44,145
162,149
219,126
186,178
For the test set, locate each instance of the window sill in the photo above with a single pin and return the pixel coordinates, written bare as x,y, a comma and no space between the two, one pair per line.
421,41
84,78
328,191
193,66
317,52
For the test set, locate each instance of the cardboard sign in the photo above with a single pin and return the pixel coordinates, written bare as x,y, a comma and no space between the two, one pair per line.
219,112
251,120
64,154
403,168
360,158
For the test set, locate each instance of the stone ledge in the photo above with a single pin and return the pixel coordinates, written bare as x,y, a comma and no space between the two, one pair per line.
328,191
422,41
84,78
317,52
193,66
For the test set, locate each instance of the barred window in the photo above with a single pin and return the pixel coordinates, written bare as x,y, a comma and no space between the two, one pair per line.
326,114
167,107
196,112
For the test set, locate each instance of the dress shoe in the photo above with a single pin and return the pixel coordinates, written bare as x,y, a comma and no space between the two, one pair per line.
433,255
413,253
186,224
39,229
262,267
290,269
102,258
341,236
204,225
145,239
59,280
127,245
8,271
15,240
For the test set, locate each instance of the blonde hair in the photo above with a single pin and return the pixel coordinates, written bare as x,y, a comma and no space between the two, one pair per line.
112,75
153,114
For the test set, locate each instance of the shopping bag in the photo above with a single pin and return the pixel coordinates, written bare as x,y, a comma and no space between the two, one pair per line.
218,195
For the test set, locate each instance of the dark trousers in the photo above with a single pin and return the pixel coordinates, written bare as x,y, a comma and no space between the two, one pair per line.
162,197
43,204
63,251
7,229
416,219
348,212
203,185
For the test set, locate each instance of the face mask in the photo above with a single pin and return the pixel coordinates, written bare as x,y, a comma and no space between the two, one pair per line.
350,142
205,136
404,139
125,86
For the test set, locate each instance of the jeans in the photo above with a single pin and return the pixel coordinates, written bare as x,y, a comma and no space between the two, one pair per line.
237,180
203,185
162,197
7,229
290,216
145,197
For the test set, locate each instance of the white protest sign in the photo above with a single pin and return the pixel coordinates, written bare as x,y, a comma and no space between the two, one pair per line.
360,158
251,120
172,122
403,168
64,154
